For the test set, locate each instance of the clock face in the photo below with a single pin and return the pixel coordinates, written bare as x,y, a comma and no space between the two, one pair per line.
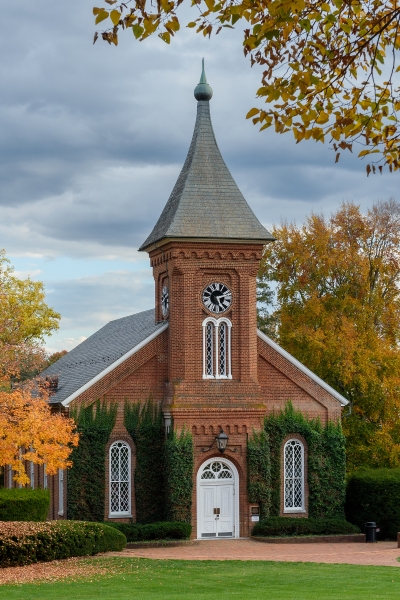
217,297
164,301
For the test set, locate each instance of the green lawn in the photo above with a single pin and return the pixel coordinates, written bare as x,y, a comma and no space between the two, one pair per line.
144,579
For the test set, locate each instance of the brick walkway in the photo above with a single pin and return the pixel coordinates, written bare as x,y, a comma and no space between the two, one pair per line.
382,553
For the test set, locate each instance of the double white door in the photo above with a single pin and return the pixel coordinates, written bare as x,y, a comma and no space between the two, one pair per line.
217,510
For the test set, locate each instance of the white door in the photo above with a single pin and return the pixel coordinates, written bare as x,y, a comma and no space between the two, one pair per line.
216,509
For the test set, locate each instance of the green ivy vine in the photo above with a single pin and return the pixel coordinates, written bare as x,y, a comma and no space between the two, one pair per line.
259,471
179,465
326,463
144,423
87,476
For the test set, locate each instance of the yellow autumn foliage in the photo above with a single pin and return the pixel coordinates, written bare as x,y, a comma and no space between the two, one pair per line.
337,310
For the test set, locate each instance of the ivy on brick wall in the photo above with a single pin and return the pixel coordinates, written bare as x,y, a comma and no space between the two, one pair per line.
259,471
179,465
87,476
144,423
326,461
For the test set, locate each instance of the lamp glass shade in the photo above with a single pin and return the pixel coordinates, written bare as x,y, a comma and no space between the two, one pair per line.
222,441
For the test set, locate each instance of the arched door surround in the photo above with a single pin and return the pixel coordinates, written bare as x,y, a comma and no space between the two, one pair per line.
217,499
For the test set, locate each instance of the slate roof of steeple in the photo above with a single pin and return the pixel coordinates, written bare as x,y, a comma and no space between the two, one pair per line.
206,203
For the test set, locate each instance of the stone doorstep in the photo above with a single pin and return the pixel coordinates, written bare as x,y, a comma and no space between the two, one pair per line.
317,539
161,544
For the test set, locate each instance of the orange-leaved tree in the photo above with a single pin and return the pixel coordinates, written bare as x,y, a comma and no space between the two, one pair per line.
329,66
29,431
337,310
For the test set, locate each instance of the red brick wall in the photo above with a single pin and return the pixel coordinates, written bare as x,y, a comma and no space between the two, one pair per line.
281,381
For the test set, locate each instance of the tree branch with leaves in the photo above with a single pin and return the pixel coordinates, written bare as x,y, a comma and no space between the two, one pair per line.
329,67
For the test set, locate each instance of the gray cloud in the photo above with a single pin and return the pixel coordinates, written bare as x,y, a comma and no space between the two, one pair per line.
92,139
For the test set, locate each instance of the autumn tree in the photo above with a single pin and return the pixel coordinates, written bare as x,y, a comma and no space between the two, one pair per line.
29,431
337,309
329,67
25,319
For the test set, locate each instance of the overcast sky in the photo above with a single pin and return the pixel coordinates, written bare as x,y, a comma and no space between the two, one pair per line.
92,139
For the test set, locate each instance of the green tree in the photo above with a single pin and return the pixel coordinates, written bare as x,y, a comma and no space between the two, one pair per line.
337,310
329,66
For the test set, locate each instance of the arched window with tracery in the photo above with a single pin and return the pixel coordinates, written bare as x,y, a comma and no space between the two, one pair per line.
120,480
217,348
293,459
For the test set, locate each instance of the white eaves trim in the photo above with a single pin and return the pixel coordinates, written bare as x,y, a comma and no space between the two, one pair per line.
115,364
302,368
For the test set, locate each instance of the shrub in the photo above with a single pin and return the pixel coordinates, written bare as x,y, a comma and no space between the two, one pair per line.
24,504
25,543
135,532
374,495
287,526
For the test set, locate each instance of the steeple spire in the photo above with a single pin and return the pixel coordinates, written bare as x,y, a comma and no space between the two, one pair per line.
206,203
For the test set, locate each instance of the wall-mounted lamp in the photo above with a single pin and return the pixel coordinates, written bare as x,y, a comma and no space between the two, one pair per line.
222,443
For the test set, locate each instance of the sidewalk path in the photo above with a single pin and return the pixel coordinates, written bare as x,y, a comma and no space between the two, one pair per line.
380,554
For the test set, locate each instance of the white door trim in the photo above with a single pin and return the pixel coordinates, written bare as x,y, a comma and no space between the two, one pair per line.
208,482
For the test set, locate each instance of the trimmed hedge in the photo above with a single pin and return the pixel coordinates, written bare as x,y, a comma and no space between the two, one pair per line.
135,532
286,526
24,504
374,495
26,543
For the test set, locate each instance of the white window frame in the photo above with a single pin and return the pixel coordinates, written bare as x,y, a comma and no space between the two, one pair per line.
60,492
44,477
128,513
216,348
32,474
294,509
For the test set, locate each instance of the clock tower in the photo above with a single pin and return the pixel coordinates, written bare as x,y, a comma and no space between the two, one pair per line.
205,250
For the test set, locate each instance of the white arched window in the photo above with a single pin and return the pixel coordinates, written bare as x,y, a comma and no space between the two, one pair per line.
217,348
294,476
120,480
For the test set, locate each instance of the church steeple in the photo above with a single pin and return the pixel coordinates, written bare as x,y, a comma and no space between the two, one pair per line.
206,203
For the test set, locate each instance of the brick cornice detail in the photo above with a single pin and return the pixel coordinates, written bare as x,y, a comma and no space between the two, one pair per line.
212,252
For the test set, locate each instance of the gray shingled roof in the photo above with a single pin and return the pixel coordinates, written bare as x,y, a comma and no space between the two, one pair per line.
206,202
99,351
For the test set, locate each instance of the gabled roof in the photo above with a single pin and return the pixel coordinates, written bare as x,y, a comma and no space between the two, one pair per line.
101,353
206,203
296,363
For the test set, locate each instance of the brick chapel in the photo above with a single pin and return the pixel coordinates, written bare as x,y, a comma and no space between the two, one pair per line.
198,354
